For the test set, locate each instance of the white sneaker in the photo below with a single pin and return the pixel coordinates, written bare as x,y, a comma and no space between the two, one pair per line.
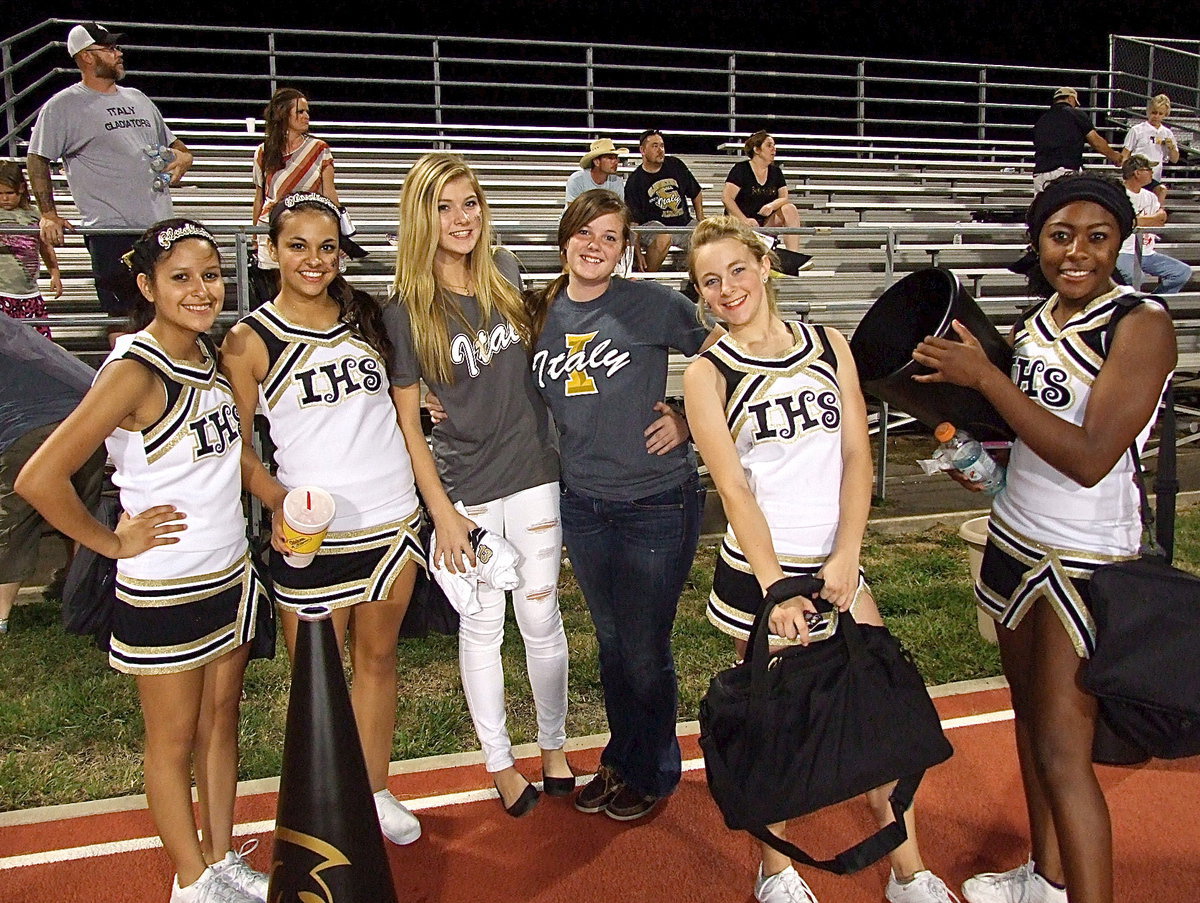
398,824
785,887
208,888
1019,885
235,870
925,887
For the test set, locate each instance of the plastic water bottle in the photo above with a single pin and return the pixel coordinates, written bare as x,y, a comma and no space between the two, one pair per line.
160,158
969,456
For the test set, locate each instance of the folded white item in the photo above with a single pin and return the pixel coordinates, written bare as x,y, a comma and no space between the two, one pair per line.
495,566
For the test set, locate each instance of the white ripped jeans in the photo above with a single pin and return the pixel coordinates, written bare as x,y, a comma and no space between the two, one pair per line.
529,520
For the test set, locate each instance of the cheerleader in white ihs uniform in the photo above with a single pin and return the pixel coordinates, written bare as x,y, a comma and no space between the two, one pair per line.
1084,387
777,415
187,592
312,360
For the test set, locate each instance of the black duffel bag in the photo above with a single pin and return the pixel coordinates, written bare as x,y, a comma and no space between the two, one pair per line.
1145,672
789,734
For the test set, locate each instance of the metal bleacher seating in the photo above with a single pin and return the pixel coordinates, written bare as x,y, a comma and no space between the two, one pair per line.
874,209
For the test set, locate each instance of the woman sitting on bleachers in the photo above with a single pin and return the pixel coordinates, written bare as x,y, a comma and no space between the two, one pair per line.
756,191
288,160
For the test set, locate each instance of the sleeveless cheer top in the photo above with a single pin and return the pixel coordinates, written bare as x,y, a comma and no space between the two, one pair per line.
1056,368
785,415
328,402
190,457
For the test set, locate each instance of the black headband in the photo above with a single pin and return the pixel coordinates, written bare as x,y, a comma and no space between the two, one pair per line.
1108,193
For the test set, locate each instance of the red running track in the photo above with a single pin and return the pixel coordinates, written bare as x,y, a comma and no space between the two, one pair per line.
969,810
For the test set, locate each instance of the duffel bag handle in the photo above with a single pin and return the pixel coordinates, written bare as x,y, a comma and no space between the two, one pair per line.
867,851
777,592
757,649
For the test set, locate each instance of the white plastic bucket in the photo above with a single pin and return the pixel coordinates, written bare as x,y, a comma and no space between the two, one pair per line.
974,533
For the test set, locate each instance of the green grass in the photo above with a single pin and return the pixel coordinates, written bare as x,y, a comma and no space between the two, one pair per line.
71,728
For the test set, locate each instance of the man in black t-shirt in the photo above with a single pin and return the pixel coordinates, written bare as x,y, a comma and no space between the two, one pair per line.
657,193
1059,137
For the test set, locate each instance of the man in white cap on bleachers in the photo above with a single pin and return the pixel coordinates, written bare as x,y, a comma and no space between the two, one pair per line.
598,169
101,131
1172,274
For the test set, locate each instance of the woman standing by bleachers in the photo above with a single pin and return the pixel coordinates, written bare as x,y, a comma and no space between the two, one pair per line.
187,591
314,362
1085,387
780,420
288,160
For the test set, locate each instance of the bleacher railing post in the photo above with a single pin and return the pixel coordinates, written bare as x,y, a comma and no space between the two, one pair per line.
981,127
1112,70
242,271
271,62
733,129
881,457
861,106
436,52
591,89
889,259
11,112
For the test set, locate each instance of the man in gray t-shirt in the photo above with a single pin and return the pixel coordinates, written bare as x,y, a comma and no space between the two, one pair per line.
100,131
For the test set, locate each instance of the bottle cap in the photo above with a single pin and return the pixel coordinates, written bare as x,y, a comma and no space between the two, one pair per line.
944,432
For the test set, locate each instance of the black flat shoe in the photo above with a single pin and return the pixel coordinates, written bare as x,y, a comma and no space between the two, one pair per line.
524,803
558,786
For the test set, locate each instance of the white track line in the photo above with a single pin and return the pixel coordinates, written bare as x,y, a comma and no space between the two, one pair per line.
266,826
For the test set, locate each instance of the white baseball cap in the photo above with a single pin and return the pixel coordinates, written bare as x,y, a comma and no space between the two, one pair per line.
81,37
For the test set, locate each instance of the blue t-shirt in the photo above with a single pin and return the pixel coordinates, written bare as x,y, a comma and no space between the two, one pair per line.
601,366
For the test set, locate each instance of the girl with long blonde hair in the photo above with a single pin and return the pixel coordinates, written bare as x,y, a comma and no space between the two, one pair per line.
456,320
777,414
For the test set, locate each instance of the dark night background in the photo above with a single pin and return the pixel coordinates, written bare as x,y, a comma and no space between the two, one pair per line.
1048,33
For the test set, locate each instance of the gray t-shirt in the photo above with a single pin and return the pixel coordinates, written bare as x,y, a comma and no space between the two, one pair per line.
581,180
601,365
100,137
497,438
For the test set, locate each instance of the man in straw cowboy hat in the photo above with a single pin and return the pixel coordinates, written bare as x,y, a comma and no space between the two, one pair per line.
598,169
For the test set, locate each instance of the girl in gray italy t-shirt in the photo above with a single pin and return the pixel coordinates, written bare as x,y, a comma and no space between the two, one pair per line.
457,321
631,499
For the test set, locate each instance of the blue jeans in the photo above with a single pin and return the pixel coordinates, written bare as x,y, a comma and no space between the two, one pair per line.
631,560
1172,274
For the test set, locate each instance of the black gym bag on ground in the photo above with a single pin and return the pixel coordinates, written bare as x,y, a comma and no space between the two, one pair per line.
792,733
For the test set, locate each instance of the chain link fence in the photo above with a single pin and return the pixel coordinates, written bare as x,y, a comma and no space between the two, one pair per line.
1143,67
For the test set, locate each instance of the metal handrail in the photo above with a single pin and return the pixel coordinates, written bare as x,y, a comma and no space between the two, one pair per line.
243,238
606,82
